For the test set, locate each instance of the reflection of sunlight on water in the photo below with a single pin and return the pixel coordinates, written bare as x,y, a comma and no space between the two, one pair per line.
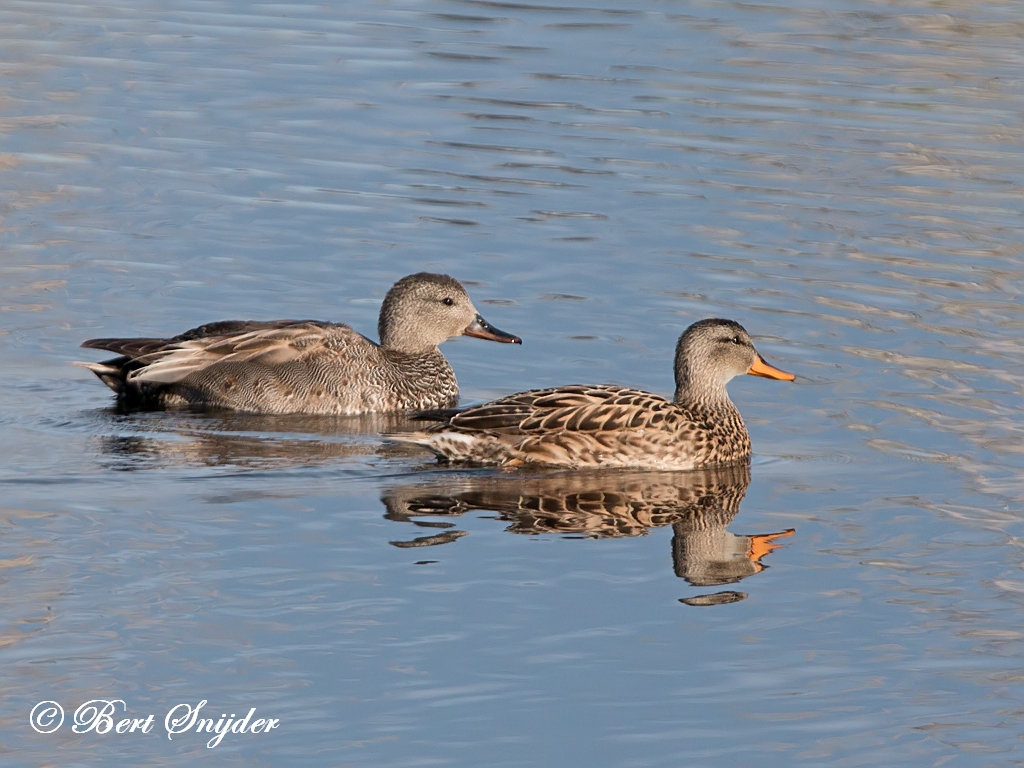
845,180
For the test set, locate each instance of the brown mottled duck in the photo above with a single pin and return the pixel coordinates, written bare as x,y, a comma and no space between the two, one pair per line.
583,426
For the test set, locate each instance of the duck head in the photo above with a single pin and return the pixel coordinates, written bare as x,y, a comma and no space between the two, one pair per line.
712,352
423,310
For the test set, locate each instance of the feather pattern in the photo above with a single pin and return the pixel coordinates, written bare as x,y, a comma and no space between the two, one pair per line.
613,426
305,366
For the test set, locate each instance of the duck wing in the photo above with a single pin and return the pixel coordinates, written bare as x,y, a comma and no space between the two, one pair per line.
139,347
270,345
574,426
579,409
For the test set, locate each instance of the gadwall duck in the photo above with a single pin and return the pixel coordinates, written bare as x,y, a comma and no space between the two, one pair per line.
305,366
610,426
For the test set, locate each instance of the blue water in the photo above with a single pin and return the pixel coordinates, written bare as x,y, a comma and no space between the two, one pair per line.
844,178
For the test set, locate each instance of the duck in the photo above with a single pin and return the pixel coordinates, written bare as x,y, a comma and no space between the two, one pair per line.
602,426
305,366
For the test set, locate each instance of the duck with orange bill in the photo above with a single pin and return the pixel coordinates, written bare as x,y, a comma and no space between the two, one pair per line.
591,426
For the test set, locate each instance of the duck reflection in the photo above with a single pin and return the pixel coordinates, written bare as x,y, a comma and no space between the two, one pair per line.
699,505
251,441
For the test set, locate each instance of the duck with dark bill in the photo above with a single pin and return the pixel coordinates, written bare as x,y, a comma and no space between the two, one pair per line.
306,366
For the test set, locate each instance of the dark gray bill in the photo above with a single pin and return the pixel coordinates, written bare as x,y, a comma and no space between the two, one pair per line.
481,329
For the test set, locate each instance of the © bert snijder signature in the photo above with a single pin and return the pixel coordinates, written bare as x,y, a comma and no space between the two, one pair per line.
98,716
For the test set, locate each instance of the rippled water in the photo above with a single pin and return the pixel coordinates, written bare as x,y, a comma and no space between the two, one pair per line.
845,178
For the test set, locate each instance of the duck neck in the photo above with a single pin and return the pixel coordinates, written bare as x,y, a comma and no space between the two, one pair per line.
392,340
727,438
422,380
702,390
705,403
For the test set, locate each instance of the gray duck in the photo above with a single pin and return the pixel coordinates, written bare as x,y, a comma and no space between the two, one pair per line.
305,366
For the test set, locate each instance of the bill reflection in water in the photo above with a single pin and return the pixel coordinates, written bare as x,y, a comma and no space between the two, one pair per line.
698,505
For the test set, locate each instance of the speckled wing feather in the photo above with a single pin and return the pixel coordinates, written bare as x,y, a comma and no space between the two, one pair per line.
595,410
571,426
576,408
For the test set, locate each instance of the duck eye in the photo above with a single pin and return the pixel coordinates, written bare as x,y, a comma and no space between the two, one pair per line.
736,339
448,301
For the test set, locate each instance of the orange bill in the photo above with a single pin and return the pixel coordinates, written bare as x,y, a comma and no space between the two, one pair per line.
763,544
761,368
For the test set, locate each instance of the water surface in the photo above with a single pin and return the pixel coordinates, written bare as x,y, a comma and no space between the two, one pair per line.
844,178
